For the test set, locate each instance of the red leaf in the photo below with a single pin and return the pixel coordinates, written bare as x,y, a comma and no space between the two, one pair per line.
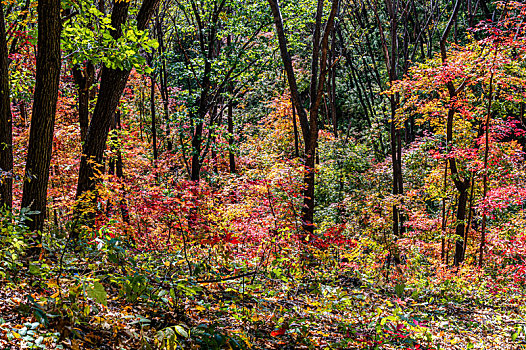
278,332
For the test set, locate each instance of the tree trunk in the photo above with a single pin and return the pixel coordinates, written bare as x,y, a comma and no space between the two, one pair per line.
295,126
44,108
120,174
230,122
154,122
84,79
163,79
309,125
461,185
460,226
6,122
485,178
444,218
113,82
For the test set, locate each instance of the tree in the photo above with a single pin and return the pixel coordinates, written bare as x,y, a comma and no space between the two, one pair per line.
309,125
6,132
217,43
112,84
44,109
454,93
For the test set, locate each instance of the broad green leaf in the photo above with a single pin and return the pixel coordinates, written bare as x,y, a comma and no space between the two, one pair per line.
98,293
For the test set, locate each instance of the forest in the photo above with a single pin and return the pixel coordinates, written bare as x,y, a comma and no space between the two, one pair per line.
262,174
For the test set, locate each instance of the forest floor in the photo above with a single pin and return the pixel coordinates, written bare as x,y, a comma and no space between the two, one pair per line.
149,303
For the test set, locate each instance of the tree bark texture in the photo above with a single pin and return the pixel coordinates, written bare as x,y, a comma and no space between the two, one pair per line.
48,63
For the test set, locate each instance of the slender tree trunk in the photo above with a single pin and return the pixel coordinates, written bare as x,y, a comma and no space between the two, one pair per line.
213,151
461,185
444,218
230,122
119,167
6,122
231,154
309,125
331,88
23,112
44,108
197,137
460,227
84,79
470,217
485,178
295,126
154,121
163,79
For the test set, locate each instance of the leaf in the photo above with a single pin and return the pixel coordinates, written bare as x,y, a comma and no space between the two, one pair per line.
34,269
399,289
279,332
181,331
98,293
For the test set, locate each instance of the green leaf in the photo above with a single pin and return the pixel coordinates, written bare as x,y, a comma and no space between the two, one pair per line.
98,293
399,289
34,269
181,331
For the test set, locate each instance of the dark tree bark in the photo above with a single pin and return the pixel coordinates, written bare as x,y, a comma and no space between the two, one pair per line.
230,122
84,78
208,45
154,121
461,184
393,62
6,122
113,82
309,125
116,168
163,79
44,108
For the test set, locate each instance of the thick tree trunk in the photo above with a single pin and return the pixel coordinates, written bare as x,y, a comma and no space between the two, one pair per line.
6,122
44,108
112,85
